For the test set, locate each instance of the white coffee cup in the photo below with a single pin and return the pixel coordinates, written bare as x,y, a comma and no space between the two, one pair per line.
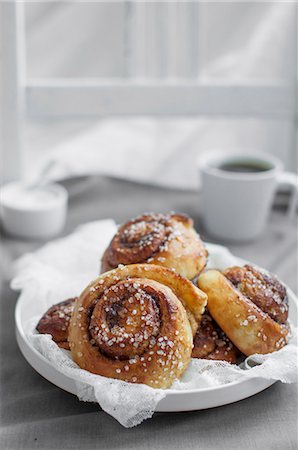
236,204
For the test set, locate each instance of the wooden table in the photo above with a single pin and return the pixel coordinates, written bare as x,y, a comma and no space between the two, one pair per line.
38,415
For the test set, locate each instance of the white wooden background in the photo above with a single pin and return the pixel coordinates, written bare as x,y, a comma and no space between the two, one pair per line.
160,55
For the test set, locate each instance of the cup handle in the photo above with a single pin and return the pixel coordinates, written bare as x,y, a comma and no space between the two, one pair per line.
289,180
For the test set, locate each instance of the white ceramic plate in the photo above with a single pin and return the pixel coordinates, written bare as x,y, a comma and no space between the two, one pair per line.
175,400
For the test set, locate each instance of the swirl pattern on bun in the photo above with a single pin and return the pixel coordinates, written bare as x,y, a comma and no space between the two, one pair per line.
165,240
250,305
262,288
132,324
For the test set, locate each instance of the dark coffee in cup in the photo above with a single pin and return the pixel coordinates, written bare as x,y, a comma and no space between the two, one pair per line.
244,167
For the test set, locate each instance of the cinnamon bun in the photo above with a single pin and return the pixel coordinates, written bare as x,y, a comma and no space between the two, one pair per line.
56,321
250,305
166,240
132,324
210,342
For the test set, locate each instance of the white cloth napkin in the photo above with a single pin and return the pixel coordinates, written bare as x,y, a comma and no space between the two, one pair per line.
63,268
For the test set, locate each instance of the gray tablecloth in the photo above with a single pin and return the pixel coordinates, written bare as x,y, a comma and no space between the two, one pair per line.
37,415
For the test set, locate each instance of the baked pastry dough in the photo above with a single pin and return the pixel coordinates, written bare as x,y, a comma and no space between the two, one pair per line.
210,342
56,321
250,305
166,240
132,323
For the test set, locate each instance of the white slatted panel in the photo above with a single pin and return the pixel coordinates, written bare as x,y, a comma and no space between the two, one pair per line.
162,39
181,39
90,97
13,77
146,40
163,52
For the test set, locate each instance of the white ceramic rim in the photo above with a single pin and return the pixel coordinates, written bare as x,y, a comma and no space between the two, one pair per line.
190,400
208,161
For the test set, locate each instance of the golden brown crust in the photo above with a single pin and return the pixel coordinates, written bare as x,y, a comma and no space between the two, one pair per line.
262,288
56,321
210,342
165,240
130,324
247,326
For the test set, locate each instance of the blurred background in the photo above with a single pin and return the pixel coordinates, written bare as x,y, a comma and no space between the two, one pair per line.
138,89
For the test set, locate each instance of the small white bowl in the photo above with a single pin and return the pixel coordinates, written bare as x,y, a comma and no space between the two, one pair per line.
33,213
